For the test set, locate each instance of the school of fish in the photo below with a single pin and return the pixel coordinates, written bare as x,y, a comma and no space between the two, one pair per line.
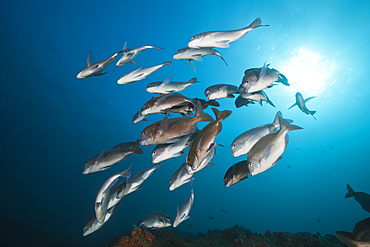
263,145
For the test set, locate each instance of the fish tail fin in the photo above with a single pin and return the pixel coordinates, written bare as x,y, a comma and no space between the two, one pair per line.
158,48
127,172
350,192
200,115
276,120
136,149
219,54
156,166
283,80
347,241
286,126
167,63
221,115
255,24
193,80
267,99
312,113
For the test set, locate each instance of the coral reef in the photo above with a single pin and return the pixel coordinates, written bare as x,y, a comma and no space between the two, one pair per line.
235,236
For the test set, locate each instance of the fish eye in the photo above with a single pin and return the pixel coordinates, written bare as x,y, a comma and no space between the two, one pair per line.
154,152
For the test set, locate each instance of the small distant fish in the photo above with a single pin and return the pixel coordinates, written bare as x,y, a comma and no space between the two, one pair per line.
222,38
323,152
223,210
360,237
108,158
155,221
301,103
129,55
258,96
102,199
211,218
266,152
243,143
240,101
236,173
182,213
168,86
361,197
318,220
289,166
95,69
220,91
192,54
133,182
257,79
140,74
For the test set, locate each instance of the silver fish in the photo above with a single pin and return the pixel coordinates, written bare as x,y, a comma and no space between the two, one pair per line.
205,162
195,54
133,182
102,197
95,69
245,141
257,79
155,221
164,152
257,96
93,224
108,158
168,86
140,74
239,102
301,103
180,177
360,237
128,56
164,102
222,38
266,152
220,91
182,213
361,197
236,173
138,117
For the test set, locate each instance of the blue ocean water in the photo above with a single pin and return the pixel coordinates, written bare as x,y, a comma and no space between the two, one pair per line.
53,123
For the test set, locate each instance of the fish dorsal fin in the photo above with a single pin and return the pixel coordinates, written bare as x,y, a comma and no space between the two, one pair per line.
89,60
262,73
167,81
124,46
164,126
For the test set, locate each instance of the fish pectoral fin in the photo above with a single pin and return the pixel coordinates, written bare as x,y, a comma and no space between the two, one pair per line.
101,74
133,62
309,99
140,75
222,43
266,154
197,57
178,154
230,96
292,105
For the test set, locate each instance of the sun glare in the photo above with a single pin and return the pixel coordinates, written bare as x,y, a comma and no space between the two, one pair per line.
307,72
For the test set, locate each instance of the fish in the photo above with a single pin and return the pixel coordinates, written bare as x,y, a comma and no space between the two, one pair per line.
133,182
139,117
180,177
93,224
239,102
236,173
164,102
361,197
182,213
205,103
205,162
168,86
108,158
258,96
222,39
211,218
205,139
102,199
223,210
195,54
301,103
140,74
266,152
257,79
169,130
155,221
220,91
164,152
95,69
360,236
243,143
128,56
